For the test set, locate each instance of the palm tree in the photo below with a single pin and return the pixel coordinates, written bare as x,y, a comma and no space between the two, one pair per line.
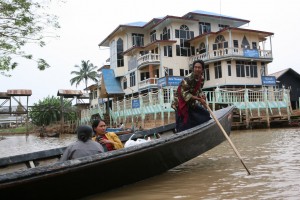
86,71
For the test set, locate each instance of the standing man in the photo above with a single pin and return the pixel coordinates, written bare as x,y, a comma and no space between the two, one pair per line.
189,111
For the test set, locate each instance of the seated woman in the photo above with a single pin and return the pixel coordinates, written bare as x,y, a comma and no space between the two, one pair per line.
85,146
109,140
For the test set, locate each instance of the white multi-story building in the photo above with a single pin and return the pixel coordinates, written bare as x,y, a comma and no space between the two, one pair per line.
154,56
149,55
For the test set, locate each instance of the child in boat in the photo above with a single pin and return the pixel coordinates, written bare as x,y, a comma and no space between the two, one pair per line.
84,146
109,140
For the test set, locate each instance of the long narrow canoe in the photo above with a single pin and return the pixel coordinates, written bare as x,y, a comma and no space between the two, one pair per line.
102,172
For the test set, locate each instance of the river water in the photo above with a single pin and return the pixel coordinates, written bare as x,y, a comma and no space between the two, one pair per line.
271,155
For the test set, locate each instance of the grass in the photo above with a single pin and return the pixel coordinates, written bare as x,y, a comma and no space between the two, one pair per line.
21,129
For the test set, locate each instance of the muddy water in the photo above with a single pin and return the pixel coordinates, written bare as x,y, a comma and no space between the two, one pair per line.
21,143
271,155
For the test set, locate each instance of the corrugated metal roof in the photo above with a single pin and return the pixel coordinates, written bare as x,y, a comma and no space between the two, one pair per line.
3,95
110,85
19,92
279,73
69,93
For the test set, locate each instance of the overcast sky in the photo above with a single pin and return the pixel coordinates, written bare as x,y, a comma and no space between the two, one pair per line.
85,23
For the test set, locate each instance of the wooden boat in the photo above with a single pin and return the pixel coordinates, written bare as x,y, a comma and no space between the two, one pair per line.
101,172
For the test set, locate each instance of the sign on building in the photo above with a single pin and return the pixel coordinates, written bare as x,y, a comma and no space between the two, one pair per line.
169,81
135,103
268,80
252,53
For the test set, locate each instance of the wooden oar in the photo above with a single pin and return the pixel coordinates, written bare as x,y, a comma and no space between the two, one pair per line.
225,134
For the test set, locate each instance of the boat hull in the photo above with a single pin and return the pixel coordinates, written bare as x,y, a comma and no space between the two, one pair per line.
98,173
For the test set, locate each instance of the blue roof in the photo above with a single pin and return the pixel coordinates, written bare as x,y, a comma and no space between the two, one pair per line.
111,85
137,24
210,13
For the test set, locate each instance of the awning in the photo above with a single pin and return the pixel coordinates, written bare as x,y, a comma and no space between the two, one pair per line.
110,85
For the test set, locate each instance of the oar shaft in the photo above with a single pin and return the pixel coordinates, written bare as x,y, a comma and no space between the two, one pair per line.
227,137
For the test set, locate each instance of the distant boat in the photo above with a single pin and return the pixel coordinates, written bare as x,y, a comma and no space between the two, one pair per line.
102,172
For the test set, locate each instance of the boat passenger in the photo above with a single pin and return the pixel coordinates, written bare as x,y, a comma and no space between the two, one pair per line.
190,102
109,140
84,146
122,126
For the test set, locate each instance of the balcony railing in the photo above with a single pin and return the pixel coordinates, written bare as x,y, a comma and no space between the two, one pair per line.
239,52
148,83
148,58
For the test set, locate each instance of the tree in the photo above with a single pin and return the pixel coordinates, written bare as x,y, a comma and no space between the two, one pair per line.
85,72
23,22
48,111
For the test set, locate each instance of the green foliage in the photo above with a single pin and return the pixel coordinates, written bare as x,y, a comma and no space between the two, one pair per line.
22,22
85,71
48,111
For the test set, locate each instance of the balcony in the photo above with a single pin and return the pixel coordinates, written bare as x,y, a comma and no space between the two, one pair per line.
148,83
147,59
234,52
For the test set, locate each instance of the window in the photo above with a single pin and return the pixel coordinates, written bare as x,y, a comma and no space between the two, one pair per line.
145,75
132,79
245,43
181,72
202,48
254,45
219,39
240,70
168,72
222,26
183,34
204,28
229,67
168,51
157,73
206,73
253,70
220,43
218,70
235,43
184,72
153,36
137,39
246,69
263,69
120,57
166,34
124,80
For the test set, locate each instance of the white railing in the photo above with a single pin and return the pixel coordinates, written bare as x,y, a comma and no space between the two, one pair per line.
156,102
148,58
148,82
228,52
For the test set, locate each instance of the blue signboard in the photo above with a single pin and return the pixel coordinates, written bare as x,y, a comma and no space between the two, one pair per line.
161,81
253,53
172,81
268,80
135,103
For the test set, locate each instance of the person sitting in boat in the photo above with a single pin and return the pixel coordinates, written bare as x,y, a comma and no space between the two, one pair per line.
84,146
109,140
189,111
122,126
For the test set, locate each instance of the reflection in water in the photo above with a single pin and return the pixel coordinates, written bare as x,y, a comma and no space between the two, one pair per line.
271,155
19,144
